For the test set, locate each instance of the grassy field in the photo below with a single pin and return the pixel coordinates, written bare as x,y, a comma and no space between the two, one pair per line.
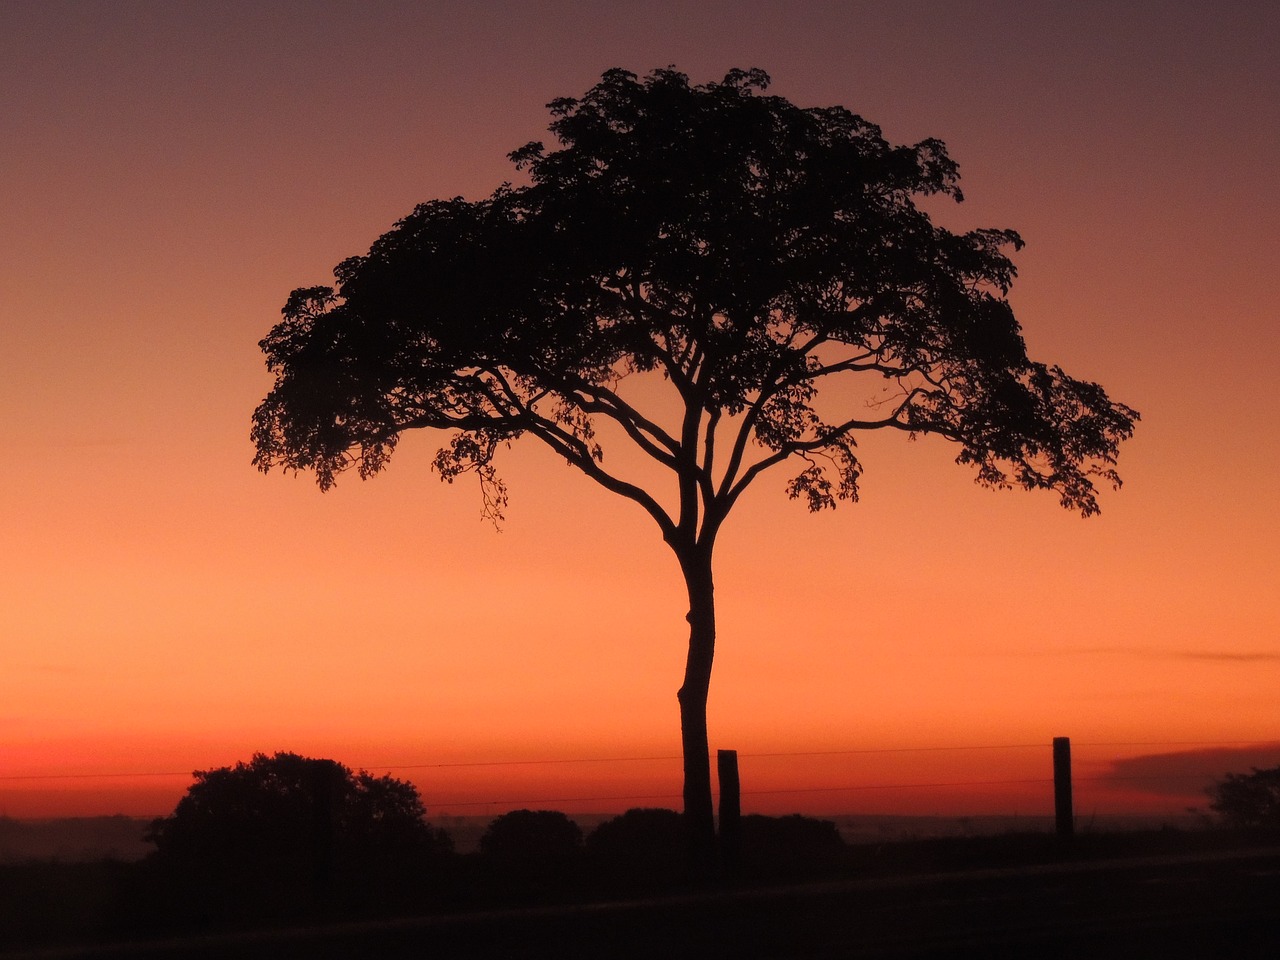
79,907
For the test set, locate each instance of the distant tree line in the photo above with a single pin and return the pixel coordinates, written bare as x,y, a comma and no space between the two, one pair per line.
286,835
286,838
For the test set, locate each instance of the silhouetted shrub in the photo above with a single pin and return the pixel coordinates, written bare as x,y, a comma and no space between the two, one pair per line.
644,848
789,846
286,833
528,851
1249,801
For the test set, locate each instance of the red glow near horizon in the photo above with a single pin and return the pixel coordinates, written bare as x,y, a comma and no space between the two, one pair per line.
1007,780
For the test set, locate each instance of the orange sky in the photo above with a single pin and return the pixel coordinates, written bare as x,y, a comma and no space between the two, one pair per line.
169,175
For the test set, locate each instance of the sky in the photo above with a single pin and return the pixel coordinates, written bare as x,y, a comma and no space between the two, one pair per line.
170,172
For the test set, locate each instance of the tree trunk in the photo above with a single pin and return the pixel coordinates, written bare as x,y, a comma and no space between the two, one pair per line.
699,812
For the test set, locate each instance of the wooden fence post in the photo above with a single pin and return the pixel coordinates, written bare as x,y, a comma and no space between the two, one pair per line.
730,810
1063,815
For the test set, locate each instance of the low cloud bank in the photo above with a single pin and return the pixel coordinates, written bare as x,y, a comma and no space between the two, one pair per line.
1188,773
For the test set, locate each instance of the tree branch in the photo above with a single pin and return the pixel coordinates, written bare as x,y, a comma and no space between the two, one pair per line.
646,434
822,440
578,454
709,457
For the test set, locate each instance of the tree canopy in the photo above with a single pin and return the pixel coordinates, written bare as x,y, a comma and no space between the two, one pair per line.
284,835
767,263
289,807
749,250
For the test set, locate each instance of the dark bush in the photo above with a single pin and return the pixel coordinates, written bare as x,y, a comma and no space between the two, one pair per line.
285,834
643,849
789,846
530,852
1249,801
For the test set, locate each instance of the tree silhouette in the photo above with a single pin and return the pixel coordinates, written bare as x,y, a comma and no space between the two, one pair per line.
286,830
752,256
789,846
1248,801
532,852
637,850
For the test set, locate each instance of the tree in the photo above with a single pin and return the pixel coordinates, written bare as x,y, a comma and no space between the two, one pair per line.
639,850
749,254
531,851
1248,801
789,846
281,829
535,835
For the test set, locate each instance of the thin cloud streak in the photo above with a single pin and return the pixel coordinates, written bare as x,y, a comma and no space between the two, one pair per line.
1152,653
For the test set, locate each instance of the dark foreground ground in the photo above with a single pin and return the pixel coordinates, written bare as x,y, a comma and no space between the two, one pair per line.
1198,904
